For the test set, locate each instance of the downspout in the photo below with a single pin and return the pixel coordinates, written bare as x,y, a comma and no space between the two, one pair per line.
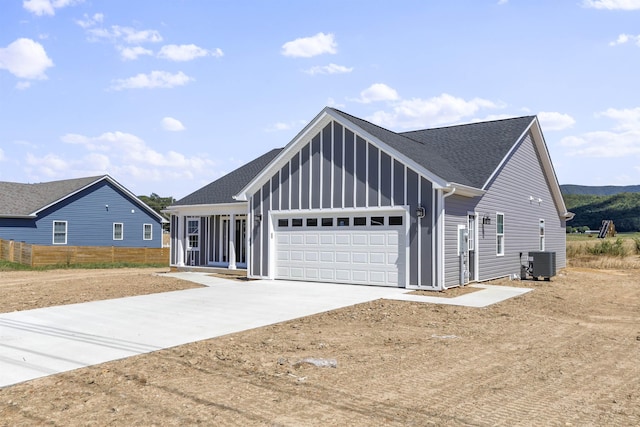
442,232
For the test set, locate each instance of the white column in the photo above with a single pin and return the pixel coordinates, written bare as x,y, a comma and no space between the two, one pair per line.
232,242
180,238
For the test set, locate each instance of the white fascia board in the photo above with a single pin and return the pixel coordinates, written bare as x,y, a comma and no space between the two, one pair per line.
316,125
204,210
115,184
464,190
547,165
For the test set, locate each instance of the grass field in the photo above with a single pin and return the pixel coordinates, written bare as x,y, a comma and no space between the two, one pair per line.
621,251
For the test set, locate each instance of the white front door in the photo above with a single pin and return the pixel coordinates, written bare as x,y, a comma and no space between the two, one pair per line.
359,249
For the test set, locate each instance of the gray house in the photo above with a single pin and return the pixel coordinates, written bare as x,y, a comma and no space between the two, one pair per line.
350,202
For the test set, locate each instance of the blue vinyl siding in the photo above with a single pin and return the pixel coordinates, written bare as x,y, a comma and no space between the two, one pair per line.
89,221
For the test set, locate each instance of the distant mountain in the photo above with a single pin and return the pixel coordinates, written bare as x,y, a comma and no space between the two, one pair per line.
604,190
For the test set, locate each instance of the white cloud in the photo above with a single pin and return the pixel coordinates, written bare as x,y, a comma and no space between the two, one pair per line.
501,2
26,59
421,113
555,121
186,52
132,53
307,47
377,92
281,126
329,69
47,7
2,157
624,38
171,124
612,4
49,165
155,79
90,21
125,34
622,140
23,85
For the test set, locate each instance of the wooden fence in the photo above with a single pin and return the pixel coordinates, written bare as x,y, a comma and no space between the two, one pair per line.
38,255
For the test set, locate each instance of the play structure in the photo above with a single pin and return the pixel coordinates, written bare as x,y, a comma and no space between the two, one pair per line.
607,229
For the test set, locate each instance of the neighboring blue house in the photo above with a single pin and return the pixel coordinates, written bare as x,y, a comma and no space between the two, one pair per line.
351,202
92,211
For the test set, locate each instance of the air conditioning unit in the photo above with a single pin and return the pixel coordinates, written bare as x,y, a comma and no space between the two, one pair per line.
542,264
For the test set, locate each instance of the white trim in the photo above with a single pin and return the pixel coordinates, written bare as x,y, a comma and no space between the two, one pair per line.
144,231
121,224
53,232
498,253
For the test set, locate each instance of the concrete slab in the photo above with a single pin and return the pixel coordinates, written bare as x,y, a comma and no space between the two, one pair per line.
37,343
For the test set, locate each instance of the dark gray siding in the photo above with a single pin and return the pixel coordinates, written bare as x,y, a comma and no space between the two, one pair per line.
89,220
336,161
520,178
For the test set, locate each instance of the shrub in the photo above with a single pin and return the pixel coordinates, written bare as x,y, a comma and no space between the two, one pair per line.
606,247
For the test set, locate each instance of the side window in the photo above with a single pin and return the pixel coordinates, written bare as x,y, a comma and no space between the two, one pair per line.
499,233
193,233
118,231
59,232
147,232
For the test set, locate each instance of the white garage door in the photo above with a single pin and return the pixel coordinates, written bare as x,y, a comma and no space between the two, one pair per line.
312,250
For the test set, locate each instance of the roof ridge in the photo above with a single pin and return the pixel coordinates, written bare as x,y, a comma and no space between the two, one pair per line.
469,124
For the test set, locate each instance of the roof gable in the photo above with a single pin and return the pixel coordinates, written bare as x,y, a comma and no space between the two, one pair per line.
475,150
223,189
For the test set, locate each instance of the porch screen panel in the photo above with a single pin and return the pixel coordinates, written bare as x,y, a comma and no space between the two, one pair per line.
284,187
305,166
174,239
398,183
327,144
256,240
216,238
275,192
315,172
295,182
265,228
412,201
385,179
361,172
426,233
373,175
337,165
349,168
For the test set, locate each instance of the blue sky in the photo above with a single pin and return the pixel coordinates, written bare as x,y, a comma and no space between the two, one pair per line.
168,95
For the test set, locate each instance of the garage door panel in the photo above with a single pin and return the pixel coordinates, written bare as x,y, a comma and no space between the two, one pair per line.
359,254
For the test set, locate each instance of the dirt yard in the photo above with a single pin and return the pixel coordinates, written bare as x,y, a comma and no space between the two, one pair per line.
566,354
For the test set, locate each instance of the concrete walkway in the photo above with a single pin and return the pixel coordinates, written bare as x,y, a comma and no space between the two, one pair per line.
46,341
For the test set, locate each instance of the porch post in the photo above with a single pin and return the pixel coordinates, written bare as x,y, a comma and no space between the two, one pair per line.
180,241
232,242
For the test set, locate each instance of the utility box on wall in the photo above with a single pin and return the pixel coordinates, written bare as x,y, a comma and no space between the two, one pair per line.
542,264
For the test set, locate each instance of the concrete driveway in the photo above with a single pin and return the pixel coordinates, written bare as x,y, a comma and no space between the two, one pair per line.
37,343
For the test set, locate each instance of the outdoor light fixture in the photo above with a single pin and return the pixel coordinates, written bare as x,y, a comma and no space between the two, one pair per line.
106,207
420,212
539,200
258,217
530,199
486,220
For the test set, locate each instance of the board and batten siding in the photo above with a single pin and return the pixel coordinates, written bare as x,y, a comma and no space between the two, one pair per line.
90,215
338,169
520,179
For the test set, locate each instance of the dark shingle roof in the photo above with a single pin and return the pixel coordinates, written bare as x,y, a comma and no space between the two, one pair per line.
223,189
475,149
17,199
465,154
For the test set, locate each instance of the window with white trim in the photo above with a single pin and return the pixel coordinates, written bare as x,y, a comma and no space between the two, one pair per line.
193,233
499,234
59,232
118,231
147,231
541,234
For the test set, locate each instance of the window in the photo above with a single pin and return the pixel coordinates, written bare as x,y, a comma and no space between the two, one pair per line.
283,222
472,232
327,222
377,220
499,234
147,231
193,233
59,232
360,220
541,226
296,222
343,222
312,222
118,231
395,220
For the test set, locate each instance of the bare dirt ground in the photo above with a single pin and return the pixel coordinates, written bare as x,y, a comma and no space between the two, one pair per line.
566,354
